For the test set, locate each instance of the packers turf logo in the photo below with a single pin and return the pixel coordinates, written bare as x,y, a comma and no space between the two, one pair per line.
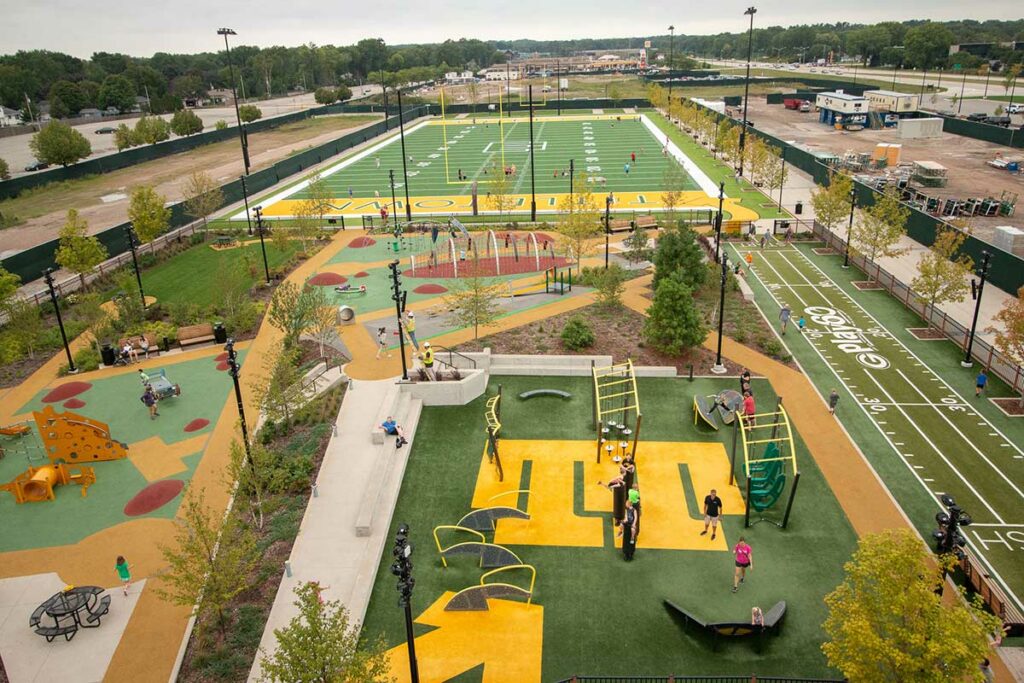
846,337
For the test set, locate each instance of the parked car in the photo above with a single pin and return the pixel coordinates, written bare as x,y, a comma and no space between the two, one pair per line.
106,130
977,116
37,166
1015,109
1003,121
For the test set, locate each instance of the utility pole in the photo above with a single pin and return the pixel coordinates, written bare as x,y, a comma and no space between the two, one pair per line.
718,368
607,227
398,297
48,277
849,230
263,245
402,568
977,289
133,242
394,202
533,186
234,370
718,218
405,171
746,86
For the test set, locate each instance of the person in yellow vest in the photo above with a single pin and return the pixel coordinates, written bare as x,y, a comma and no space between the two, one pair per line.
410,329
428,361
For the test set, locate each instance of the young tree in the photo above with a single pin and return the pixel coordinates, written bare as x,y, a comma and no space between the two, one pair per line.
320,645
5,170
77,250
673,322
249,113
886,621
186,122
59,143
674,182
723,134
202,195
220,125
256,476
942,274
9,283
679,253
291,310
209,562
147,213
276,389
580,222
343,93
499,191
775,173
126,138
636,246
1010,77
320,196
306,225
24,324
881,226
150,130
474,301
325,96
1009,337
321,321
609,284
832,202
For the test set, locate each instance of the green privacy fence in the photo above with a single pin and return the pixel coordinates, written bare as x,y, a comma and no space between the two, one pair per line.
1006,270
29,264
1011,137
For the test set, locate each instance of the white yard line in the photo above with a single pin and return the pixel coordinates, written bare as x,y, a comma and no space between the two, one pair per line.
703,181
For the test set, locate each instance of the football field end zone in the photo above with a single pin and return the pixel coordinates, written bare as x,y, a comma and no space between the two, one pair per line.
898,442
279,206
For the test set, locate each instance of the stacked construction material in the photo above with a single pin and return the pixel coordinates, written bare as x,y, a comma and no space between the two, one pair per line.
929,174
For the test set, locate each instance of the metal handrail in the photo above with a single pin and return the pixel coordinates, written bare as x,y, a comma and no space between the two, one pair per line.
452,352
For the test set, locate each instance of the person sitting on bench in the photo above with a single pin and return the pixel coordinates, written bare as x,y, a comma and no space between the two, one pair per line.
392,428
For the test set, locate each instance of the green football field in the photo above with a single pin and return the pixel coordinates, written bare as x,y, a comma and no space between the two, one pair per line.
438,153
907,403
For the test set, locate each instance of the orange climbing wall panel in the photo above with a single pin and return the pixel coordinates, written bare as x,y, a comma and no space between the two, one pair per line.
73,438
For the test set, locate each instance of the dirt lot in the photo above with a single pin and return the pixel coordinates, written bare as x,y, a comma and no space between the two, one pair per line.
102,200
969,175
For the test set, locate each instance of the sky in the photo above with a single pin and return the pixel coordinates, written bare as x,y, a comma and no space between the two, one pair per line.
142,27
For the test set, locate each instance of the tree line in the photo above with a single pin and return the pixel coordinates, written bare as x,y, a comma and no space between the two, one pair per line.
108,79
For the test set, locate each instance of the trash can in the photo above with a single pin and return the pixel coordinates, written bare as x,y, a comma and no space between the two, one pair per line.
166,345
220,335
107,354
799,208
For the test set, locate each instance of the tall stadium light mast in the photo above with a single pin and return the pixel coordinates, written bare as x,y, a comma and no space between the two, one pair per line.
671,39
746,84
234,95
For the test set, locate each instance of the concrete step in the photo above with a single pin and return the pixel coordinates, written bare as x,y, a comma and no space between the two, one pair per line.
367,518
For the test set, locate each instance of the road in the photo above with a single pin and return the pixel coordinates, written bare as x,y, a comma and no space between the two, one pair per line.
16,152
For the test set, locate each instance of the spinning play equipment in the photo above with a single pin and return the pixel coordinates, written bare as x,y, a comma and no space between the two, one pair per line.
36,483
72,438
767,442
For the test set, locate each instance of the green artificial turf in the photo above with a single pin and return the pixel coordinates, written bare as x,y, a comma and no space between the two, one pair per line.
193,275
601,614
940,439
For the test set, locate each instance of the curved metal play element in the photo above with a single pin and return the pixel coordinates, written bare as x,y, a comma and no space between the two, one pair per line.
490,554
484,519
474,598
508,493
510,568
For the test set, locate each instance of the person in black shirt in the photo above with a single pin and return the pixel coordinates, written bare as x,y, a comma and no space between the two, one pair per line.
712,510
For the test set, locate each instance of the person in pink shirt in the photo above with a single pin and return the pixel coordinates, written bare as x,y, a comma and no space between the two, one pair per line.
748,407
744,560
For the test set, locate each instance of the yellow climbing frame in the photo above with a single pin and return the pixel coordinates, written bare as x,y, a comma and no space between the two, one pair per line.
615,392
767,428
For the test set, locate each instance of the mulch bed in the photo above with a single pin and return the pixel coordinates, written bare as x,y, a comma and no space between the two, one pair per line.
867,285
926,333
1010,406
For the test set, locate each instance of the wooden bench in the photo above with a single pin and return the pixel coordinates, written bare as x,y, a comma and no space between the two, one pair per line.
982,583
101,609
620,225
136,342
195,334
646,222
526,395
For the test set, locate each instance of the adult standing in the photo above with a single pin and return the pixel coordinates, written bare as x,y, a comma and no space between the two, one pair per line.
428,361
784,315
749,408
630,531
744,555
833,399
745,381
712,511
410,329
980,383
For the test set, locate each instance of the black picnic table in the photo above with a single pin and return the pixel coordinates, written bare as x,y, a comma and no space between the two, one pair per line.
70,609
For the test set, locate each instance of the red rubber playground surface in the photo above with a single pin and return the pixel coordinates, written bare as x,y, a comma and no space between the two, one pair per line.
488,267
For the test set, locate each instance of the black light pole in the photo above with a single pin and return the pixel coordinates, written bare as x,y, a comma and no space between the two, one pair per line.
399,299
607,227
746,84
782,176
960,102
245,197
988,75
48,276
263,245
233,370
849,230
508,82
234,94
948,538
718,368
405,171
558,84
394,202
402,568
718,218
671,41
977,289
533,187
133,241
572,172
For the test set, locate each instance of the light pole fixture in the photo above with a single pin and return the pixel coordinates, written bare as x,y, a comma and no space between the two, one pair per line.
133,242
245,198
234,370
718,218
234,95
671,40
402,568
960,102
746,84
533,185
558,84
394,202
572,172
849,230
718,368
977,289
398,296
948,538
607,227
405,170
263,245
508,82
48,277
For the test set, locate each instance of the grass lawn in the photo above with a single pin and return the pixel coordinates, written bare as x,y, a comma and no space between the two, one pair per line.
602,615
192,276
907,403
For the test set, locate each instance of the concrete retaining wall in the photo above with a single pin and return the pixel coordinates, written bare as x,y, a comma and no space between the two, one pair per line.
448,393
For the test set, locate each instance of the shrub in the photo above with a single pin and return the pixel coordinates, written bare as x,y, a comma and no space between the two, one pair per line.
576,334
87,358
771,347
160,329
185,313
197,238
610,284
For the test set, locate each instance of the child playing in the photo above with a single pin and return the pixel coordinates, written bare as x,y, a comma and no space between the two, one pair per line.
800,324
123,570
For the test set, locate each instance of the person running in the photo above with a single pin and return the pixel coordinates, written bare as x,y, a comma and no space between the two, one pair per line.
712,510
784,315
833,400
382,341
124,573
378,162
149,400
980,383
744,555
764,240
749,258
428,361
626,167
392,428
144,378
801,324
630,530
632,157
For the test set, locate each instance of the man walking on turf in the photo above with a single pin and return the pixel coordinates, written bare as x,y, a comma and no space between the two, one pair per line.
833,399
980,383
784,315
712,510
